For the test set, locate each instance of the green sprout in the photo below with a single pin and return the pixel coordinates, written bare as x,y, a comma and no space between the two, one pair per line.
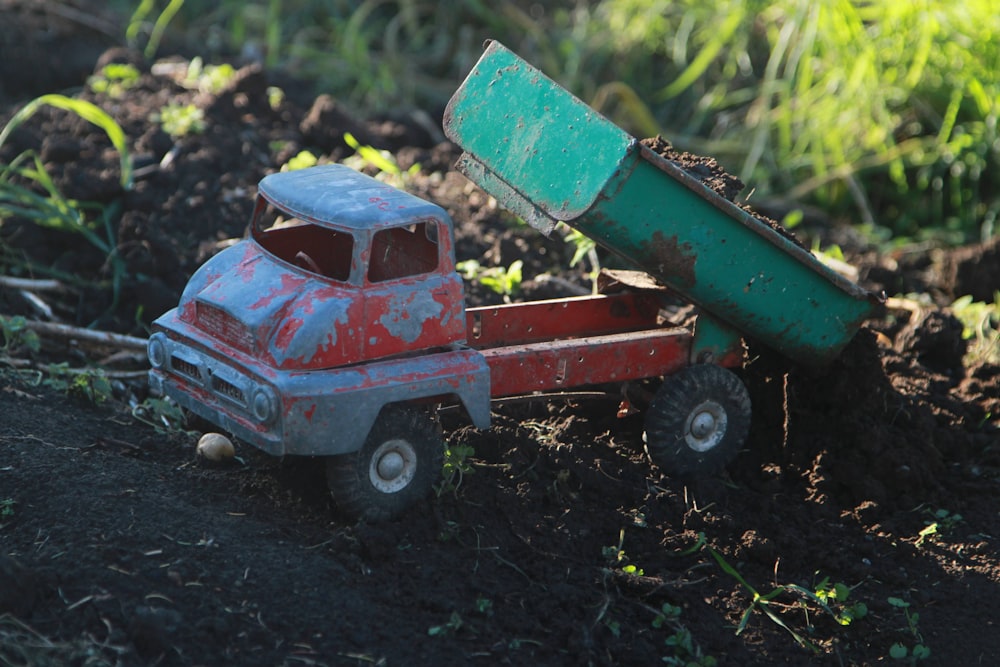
943,520
114,79
456,467
981,325
917,651
685,651
453,625
91,385
504,281
17,335
388,170
301,160
616,557
179,120
208,78
830,599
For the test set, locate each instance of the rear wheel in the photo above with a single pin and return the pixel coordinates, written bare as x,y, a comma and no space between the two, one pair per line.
698,421
397,466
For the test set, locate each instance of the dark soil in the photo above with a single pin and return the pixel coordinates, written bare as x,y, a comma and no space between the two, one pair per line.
120,546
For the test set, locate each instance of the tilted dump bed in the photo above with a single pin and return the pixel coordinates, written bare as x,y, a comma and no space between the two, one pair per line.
548,157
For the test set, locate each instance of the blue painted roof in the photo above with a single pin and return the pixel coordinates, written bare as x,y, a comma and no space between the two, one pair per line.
337,194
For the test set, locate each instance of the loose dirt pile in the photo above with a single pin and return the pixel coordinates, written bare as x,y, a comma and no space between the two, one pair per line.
558,544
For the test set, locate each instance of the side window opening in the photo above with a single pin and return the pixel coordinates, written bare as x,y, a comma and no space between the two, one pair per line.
399,252
317,249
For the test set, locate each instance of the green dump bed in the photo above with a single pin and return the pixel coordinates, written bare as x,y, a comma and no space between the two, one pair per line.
548,157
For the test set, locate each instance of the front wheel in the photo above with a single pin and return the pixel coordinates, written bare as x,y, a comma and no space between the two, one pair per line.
397,466
697,421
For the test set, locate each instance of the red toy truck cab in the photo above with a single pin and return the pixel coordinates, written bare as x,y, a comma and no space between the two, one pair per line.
343,300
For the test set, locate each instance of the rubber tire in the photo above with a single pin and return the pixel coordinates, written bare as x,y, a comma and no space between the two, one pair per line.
716,402
398,428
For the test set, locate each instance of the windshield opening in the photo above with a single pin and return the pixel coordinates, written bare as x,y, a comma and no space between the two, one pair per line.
320,250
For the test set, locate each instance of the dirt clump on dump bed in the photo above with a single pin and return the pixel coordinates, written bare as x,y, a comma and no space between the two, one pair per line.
554,541
712,175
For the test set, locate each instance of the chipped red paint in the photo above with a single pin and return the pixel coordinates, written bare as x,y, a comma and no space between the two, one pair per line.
567,364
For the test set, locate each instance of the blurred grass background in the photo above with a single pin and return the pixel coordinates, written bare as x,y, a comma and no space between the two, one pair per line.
880,113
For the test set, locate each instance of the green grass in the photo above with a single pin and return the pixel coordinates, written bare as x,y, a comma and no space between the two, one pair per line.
27,190
882,113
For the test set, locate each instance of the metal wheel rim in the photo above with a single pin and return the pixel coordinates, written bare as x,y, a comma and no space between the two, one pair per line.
392,466
705,426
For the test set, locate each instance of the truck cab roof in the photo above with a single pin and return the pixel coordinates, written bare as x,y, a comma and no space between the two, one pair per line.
336,195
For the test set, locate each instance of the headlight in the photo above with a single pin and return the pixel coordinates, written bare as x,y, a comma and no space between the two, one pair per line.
264,405
156,350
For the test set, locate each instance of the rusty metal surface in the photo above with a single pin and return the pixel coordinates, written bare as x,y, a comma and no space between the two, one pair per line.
316,413
288,317
561,364
536,133
534,321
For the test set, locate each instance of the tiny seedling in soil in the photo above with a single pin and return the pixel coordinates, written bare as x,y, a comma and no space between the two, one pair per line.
616,557
453,625
179,120
504,281
901,651
943,521
456,467
830,599
383,162
114,79
686,652
162,414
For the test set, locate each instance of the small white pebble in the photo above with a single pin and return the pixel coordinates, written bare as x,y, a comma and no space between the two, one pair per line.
216,447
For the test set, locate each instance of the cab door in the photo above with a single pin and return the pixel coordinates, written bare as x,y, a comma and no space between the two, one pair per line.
413,297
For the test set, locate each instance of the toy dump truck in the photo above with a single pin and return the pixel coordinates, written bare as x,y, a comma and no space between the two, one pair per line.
339,324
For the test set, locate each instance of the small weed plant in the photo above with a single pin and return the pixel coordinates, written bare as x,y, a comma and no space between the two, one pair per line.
685,652
915,650
504,281
208,78
90,385
7,508
114,79
456,467
180,120
453,625
980,325
138,24
942,521
162,414
616,557
301,160
383,162
584,247
831,599
17,337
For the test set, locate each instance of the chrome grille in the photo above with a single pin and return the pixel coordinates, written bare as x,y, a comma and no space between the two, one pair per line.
228,389
185,367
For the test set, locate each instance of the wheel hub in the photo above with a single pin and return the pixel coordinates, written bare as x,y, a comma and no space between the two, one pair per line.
706,426
392,466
